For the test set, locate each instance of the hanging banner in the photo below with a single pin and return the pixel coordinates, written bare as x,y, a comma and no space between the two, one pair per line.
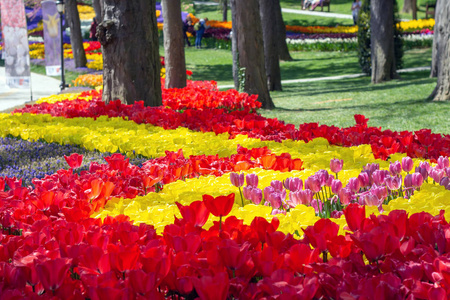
15,37
52,38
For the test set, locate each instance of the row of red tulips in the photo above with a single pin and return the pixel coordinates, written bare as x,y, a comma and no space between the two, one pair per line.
422,143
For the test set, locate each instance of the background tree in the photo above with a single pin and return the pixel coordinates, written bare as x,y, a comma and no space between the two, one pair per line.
410,6
364,53
76,38
272,62
234,47
382,40
283,51
175,62
224,8
251,50
131,63
96,4
441,52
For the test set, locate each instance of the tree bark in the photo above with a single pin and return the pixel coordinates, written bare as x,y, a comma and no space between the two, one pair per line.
407,6
234,43
131,64
175,62
251,50
98,10
283,51
382,41
76,39
272,62
441,52
225,10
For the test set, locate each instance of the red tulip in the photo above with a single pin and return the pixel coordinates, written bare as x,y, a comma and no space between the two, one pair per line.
196,213
74,160
212,287
219,206
52,272
323,231
355,215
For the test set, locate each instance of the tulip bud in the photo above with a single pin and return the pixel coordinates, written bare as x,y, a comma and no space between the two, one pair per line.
345,196
422,172
354,184
275,200
417,180
313,183
426,165
407,164
252,179
316,204
267,191
323,177
436,174
246,191
277,185
444,181
336,165
364,179
443,162
370,168
237,179
408,181
379,191
329,180
447,171
395,168
379,176
256,196
293,184
336,186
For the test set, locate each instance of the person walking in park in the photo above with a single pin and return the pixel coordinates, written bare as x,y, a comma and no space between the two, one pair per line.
186,24
93,30
200,28
356,6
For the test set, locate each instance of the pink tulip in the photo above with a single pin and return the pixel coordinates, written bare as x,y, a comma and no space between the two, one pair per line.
407,164
336,186
336,165
354,184
408,181
322,175
329,180
417,180
267,191
436,174
256,196
447,171
247,190
237,179
276,200
317,204
395,168
345,196
370,168
252,180
443,162
277,185
380,192
394,183
422,172
364,179
379,176
426,165
313,183
371,199
293,184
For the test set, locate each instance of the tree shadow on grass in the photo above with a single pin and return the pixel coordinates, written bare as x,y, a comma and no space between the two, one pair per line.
221,72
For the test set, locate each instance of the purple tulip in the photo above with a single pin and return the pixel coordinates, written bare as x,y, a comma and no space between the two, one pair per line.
422,172
408,181
276,199
256,196
277,185
267,191
336,186
417,180
395,168
252,179
313,183
443,162
445,181
407,164
237,179
246,191
393,183
336,165
293,184
426,165
354,184
364,179
379,176
447,171
436,174
345,196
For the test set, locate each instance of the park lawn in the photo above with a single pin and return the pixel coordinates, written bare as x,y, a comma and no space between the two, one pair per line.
212,64
397,105
69,75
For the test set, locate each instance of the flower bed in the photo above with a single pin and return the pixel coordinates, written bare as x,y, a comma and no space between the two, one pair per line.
176,225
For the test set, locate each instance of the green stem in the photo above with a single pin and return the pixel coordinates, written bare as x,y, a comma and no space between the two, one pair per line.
242,198
220,223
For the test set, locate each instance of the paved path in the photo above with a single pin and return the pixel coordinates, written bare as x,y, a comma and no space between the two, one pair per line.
294,11
42,86
225,87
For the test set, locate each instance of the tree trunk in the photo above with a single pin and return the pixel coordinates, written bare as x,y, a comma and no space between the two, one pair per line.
382,41
251,50
131,64
407,6
225,10
234,43
272,61
414,9
283,51
441,52
175,62
76,40
98,10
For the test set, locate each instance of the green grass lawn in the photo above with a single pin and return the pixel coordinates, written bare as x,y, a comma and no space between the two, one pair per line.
398,105
212,64
69,76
